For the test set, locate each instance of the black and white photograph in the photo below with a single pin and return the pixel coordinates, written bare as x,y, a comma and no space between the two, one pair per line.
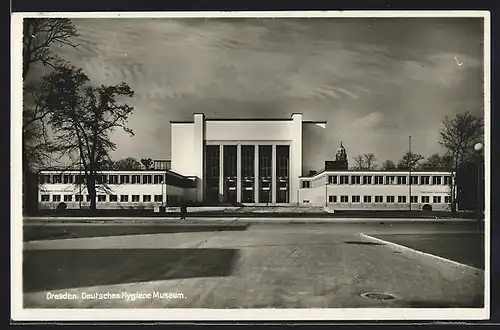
250,166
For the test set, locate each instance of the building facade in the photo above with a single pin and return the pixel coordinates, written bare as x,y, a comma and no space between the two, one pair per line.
247,161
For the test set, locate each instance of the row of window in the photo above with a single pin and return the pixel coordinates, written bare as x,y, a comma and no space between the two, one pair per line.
102,198
387,179
390,199
103,178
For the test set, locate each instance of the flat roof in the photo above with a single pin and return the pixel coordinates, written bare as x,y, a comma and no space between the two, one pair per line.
73,171
392,171
248,119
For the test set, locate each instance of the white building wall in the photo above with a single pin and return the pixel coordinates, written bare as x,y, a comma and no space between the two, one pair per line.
182,148
256,130
114,189
315,147
318,194
198,153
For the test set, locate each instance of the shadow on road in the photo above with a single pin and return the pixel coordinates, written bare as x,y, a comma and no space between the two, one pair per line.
474,302
35,233
62,269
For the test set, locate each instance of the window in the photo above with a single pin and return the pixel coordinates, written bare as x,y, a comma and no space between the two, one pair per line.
390,179
146,179
79,179
158,198
135,198
414,199
414,179
344,179
57,178
136,178
158,178
67,178
355,179
367,199
78,198
113,198
101,179
332,199
306,184
124,179
113,179
332,179
88,198
436,179
146,198
447,180
123,198
425,179
379,199
389,199
45,179
447,199
101,198
424,199
68,198
379,179
355,199
401,179
436,199
56,198
344,199
45,198
367,179
401,199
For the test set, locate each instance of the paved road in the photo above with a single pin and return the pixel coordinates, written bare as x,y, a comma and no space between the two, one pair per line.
258,266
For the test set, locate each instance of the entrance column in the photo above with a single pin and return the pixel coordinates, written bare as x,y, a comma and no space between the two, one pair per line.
256,174
273,175
238,173
221,173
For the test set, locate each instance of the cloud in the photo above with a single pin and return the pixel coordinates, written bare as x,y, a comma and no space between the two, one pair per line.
365,76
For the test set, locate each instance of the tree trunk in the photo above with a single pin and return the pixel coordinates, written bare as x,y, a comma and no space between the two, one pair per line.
92,192
28,186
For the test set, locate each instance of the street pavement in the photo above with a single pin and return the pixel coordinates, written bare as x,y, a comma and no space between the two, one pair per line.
253,266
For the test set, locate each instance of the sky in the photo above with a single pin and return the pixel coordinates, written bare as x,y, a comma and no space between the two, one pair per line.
375,80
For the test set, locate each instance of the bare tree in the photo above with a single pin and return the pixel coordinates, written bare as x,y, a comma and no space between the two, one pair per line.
370,161
388,165
359,162
459,135
365,162
82,118
128,163
410,160
39,35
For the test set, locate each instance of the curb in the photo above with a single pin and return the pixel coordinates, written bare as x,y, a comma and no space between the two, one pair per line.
225,220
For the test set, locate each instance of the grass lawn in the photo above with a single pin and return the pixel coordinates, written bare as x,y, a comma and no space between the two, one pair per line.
466,248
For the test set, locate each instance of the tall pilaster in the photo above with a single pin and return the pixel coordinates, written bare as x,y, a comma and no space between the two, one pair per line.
256,175
199,153
273,181
238,173
221,173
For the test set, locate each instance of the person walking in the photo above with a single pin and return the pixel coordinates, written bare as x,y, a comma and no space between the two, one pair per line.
183,209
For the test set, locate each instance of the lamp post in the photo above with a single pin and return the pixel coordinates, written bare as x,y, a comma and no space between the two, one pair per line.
478,147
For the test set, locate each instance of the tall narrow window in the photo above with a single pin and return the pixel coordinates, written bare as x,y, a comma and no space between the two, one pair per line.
230,173
265,173
282,168
212,173
247,173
